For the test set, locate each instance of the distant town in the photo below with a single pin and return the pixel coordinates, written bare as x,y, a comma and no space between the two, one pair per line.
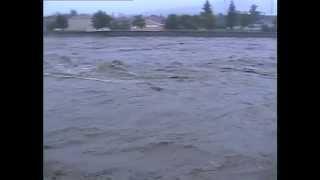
234,20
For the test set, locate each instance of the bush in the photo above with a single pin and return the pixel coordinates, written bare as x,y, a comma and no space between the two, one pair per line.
60,22
50,26
101,20
139,21
120,24
266,28
172,22
183,22
244,20
188,22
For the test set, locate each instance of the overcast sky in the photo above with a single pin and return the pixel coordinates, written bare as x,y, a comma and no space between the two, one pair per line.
152,6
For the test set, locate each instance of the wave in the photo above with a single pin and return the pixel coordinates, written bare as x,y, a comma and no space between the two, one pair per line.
115,67
85,78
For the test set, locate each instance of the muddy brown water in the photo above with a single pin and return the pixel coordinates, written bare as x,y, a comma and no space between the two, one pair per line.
126,108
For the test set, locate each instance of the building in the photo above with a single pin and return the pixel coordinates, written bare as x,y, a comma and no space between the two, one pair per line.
159,19
267,20
153,23
80,23
75,23
264,20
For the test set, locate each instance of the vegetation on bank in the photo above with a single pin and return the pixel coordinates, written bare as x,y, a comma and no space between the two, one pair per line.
205,20
139,21
60,22
100,20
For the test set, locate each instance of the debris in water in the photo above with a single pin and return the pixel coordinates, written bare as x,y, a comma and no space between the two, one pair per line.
156,88
115,64
178,77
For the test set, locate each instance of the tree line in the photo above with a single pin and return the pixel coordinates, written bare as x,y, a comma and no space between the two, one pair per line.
99,20
206,20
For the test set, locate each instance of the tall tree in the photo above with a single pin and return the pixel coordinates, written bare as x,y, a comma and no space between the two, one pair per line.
101,20
61,22
254,14
207,16
207,8
231,18
172,22
73,13
139,21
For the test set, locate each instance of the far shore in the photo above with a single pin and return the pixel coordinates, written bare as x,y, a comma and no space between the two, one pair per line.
178,33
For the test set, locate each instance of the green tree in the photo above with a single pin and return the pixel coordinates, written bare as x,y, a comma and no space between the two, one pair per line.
196,21
244,19
61,22
123,24
254,14
139,21
231,18
265,28
188,22
101,20
172,22
73,13
207,16
50,26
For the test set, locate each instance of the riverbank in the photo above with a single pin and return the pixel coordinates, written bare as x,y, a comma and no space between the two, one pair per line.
184,33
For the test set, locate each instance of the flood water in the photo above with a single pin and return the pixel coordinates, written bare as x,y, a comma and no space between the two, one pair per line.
147,108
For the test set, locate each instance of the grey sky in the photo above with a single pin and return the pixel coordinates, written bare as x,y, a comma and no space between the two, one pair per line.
153,6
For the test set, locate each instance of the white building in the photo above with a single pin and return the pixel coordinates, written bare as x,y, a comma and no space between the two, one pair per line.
151,25
80,23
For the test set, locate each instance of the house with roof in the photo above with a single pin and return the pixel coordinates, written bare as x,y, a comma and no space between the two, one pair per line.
80,23
264,20
267,20
152,24
75,23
